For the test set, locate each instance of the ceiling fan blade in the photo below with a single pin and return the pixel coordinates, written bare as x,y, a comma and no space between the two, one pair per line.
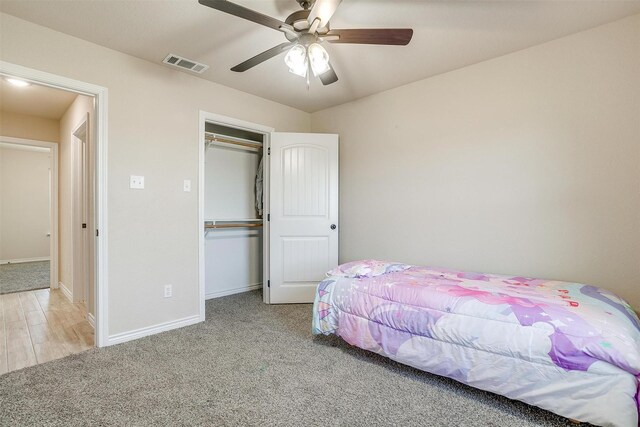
323,9
261,57
329,76
388,36
244,13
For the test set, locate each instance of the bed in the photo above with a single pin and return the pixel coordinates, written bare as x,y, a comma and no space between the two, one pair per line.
569,348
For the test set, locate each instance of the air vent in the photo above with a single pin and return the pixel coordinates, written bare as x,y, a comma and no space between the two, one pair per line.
185,64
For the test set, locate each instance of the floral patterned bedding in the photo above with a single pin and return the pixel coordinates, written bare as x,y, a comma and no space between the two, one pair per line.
569,348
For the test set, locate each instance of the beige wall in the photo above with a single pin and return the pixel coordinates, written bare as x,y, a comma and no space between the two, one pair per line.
24,203
75,115
153,131
29,127
527,164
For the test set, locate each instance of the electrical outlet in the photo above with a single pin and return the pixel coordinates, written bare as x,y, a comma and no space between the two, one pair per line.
187,185
168,291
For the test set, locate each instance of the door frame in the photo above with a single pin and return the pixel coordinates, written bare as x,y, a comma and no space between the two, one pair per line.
53,200
99,137
206,117
80,241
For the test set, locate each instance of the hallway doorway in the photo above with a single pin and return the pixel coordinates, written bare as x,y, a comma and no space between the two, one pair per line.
48,304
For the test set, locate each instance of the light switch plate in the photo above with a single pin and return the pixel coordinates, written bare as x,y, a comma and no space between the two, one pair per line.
136,182
187,185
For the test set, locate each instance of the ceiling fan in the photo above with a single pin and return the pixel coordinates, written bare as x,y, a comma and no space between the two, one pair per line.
305,31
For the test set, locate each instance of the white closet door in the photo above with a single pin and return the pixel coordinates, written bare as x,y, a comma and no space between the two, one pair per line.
304,214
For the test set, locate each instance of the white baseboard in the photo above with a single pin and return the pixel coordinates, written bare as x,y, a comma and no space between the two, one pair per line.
92,320
152,330
20,260
65,291
226,292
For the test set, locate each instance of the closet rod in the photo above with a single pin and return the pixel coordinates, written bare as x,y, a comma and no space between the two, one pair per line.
231,225
216,138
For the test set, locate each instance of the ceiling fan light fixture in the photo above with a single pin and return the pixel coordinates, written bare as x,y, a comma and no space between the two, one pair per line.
305,30
296,60
319,59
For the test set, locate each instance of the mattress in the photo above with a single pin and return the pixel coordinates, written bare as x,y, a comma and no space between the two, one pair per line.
569,348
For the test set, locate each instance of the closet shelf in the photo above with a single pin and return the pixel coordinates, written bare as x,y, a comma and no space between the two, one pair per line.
216,220
232,223
212,138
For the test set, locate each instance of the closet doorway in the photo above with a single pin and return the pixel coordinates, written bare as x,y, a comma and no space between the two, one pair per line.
233,210
283,242
245,144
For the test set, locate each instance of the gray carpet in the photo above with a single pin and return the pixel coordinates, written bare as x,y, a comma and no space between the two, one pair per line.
248,364
24,276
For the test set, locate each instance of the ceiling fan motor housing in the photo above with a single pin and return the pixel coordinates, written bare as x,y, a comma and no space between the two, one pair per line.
298,20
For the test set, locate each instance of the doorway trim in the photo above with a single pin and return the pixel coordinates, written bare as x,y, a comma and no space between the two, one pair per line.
206,117
80,241
53,202
99,136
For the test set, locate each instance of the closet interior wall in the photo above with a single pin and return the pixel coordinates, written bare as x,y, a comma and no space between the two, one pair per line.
233,256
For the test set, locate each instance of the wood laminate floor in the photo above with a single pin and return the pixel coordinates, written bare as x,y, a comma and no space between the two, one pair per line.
39,326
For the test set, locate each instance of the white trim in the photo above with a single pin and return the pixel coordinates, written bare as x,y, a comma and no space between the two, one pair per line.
218,294
151,330
201,157
21,260
33,148
65,291
79,284
53,205
92,320
203,118
99,136
266,226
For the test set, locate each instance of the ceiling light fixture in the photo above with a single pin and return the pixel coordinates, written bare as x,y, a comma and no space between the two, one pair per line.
17,82
299,58
304,31
319,59
296,60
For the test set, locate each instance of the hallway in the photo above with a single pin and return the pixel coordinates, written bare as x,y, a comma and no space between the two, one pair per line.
39,326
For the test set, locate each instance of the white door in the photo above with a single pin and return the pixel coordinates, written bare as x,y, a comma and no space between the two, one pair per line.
303,210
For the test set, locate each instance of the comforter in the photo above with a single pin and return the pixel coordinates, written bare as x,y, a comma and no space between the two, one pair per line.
570,348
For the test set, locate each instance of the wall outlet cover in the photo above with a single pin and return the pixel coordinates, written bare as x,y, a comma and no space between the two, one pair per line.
187,185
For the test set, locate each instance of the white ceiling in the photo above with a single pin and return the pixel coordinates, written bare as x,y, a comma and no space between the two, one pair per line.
35,100
447,35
